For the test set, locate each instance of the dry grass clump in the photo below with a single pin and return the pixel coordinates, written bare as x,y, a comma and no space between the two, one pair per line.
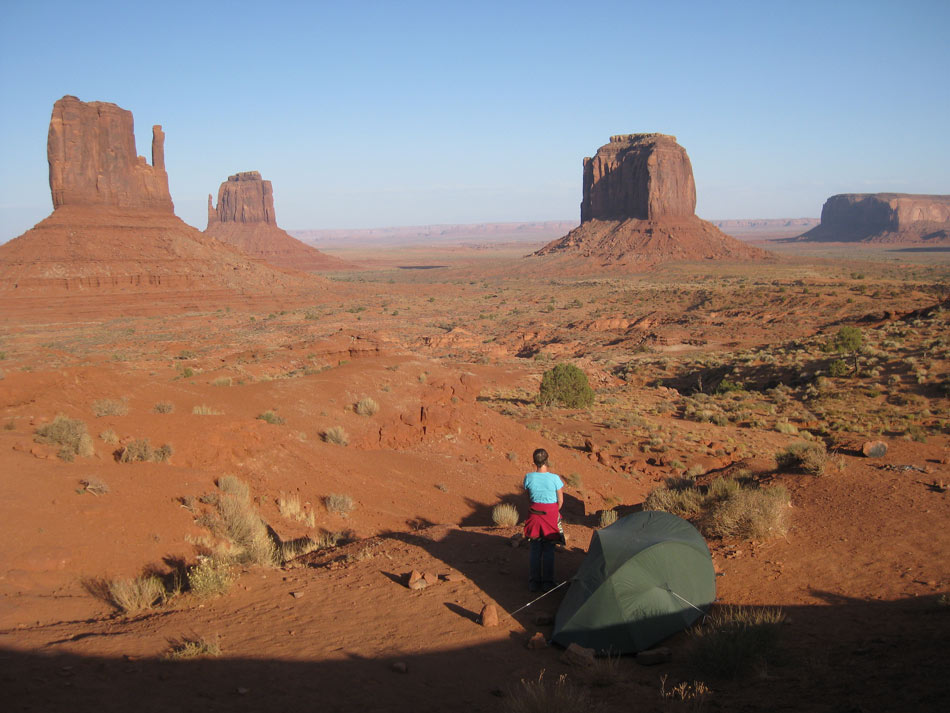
198,648
540,696
69,434
732,639
339,504
222,381
289,507
140,451
292,549
202,410
271,417
366,407
163,407
336,435
238,521
109,436
725,508
211,577
505,515
608,517
110,407
805,457
685,696
132,596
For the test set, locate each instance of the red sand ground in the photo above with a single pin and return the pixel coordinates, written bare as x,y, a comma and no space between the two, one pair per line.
858,574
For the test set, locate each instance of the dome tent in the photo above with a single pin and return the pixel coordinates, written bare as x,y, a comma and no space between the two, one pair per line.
644,578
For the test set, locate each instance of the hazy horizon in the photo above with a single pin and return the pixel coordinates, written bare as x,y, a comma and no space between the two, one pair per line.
372,114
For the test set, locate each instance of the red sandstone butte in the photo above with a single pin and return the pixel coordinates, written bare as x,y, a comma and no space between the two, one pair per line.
883,218
638,209
113,226
245,218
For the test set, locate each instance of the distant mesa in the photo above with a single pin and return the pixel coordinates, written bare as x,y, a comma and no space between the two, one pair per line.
113,226
883,218
639,209
244,218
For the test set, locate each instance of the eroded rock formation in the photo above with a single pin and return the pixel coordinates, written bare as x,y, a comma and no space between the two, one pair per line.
244,218
92,159
883,218
638,209
113,227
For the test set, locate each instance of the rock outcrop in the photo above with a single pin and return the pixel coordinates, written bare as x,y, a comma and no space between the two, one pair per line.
113,227
883,218
245,218
638,209
92,160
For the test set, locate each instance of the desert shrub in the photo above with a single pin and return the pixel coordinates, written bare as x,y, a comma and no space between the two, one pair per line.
222,381
291,549
567,385
202,410
749,513
540,696
239,522
288,505
336,435
366,406
608,517
574,480
109,407
109,436
140,451
69,434
135,595
682,502
211,577
193,649
783,426
164,407
339,504
271,417
505,515
805,457
726,386
732,639
838,368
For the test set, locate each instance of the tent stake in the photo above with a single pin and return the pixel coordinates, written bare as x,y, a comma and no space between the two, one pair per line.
539,598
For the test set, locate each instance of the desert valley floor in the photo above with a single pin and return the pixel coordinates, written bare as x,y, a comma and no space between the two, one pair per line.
378,420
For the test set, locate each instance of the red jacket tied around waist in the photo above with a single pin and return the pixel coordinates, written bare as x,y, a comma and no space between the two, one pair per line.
542,522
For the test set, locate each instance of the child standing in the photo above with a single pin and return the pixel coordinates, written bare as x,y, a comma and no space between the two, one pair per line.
543,526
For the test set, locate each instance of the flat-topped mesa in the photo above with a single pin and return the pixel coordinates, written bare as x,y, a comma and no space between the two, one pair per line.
883,217
92,159
641,176
244,198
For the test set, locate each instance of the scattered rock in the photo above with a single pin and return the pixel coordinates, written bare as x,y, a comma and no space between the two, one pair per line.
296,595
654,656
399,667
416,580
454,577
516,540
576,655
537,642
489,615
431,578
874,449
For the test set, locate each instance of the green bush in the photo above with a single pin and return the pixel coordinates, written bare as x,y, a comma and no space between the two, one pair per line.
838,368
567,385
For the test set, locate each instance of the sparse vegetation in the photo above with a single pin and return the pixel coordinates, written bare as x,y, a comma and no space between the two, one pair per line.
222,381
339,504
69,434
271,417
366,406
567,385
336,435
140,451
505,515
202,410
93,487
109,436
132,596
211,577
110,407
608,517
807,457
239,523
288,505
164,407
196,648
733,639
541,696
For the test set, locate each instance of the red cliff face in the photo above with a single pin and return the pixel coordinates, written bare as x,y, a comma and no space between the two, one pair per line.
92,160
883,218
244,218
638,209
642,176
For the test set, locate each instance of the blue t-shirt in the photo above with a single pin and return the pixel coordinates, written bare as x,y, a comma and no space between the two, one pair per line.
542,487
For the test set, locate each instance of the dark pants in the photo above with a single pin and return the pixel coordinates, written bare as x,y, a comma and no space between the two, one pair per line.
541,575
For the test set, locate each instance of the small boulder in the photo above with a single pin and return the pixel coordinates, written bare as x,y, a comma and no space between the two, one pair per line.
416,580
577,655
874,449
654,656
431,578
536,642
489,616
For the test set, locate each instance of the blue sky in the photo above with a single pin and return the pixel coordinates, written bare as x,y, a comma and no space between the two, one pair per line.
367,114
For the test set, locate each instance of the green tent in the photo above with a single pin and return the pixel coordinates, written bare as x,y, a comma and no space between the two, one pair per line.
645,577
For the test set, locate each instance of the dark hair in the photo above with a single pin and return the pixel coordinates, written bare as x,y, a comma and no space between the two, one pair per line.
540,457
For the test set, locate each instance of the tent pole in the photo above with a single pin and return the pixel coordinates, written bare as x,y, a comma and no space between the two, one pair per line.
539,598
